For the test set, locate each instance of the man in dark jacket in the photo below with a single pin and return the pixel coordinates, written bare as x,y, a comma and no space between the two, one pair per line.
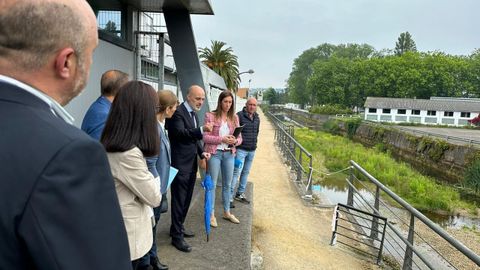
185,134
58,205
246,151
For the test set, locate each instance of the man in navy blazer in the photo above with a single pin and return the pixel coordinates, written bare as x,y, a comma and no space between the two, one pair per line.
185,135
58,206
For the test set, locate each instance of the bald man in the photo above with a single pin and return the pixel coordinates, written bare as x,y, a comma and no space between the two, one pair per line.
96,116
185,134
248,118
58,206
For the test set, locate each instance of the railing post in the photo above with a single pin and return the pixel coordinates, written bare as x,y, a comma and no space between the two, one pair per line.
334,234
407,260
310,175
350,188
374,230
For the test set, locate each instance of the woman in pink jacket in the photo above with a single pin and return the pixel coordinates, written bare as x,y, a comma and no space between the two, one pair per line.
220,143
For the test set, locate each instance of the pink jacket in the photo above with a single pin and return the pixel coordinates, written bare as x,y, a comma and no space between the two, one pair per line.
212,139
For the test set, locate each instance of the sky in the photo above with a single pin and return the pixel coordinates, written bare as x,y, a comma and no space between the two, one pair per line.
267,35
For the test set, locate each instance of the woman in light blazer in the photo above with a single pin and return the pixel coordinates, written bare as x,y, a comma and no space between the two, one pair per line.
129,136
160,165
220,143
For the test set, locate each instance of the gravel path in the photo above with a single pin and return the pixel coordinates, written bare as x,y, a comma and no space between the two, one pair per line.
286,233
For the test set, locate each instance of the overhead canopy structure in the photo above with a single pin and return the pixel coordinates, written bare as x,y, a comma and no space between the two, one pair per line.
192,6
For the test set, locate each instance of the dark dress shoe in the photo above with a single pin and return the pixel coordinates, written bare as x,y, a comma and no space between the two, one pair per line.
188,234
181,245
157,265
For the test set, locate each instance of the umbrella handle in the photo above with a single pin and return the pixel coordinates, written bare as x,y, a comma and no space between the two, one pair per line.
206,166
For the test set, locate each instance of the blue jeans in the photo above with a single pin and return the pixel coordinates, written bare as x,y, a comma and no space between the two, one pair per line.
246,159
221,161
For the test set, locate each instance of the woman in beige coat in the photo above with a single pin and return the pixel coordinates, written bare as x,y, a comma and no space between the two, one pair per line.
129,136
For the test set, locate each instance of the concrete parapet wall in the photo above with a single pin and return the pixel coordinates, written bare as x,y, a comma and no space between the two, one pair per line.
313,121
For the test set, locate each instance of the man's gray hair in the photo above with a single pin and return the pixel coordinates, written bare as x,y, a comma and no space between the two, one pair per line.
31,32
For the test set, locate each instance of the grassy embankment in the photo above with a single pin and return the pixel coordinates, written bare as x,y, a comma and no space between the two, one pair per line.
420,191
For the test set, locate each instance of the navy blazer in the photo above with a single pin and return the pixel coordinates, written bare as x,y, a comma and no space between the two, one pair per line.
185,139
58,205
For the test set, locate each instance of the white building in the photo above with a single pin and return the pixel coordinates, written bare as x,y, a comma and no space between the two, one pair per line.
433,111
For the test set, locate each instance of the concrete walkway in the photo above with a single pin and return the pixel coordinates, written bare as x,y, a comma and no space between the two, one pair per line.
229,245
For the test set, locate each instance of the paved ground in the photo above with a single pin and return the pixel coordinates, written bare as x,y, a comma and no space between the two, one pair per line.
467,134
285,234
229,246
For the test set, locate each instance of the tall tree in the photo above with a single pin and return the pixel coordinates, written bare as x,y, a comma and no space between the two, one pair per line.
405,44
302,70
222,60
110,27
271,96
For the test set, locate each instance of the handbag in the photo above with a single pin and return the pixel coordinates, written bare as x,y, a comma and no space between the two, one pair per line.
164,203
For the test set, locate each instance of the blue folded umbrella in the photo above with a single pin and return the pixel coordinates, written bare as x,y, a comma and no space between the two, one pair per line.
207,185
237,163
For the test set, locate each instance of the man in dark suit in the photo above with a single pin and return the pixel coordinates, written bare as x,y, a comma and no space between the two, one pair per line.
185,135
58,206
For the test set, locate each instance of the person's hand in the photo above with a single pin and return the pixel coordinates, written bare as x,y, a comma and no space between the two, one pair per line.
232,140
202,163
208,127
228,139
206,155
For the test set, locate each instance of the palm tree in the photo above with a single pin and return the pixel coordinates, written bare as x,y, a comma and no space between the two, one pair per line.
222,61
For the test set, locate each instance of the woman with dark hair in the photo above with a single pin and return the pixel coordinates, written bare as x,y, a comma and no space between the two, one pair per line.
160,166
220,143
129,136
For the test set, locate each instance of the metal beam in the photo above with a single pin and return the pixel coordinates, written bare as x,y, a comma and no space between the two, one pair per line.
184,51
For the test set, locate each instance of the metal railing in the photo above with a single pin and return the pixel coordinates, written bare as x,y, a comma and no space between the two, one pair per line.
405,243
346,116
345,218
448,138
299,158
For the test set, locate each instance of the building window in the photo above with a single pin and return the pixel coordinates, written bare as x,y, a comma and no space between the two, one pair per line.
415,112
372,110
465,114
110,21
448,114
386,111
431,113
402,111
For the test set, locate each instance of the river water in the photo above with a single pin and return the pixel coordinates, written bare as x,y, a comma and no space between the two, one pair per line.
336,188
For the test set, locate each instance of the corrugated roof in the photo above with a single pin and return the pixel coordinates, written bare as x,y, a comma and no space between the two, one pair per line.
448,105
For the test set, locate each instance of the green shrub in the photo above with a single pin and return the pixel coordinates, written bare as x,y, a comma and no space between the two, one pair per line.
434,148
352,125
380,147
330,109
331,126
472,176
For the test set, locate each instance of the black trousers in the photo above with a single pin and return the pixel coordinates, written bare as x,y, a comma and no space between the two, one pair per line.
181,196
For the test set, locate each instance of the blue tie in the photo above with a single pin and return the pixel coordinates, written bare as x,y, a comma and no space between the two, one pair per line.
193,117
